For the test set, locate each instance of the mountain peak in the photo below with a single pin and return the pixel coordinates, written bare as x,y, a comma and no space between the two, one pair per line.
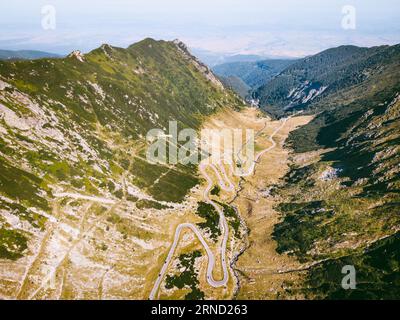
180,44
77,55
204,69
147,42
105,46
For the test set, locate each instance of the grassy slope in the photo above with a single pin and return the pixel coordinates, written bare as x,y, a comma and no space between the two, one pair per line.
342,218
81,127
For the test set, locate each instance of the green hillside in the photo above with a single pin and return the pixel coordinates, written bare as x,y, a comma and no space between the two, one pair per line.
78,124
342,207
333,76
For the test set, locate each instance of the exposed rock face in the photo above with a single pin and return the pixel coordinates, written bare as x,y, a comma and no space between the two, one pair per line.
340,206
205,70
77,195
78,55
321,81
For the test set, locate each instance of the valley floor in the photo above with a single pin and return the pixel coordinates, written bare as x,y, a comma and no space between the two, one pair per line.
263,272
100,248
259,272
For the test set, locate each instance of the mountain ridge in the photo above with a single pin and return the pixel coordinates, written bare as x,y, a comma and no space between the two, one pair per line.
333,71
78,125
341,194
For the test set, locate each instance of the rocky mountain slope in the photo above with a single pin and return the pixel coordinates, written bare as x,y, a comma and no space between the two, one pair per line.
83,215
340,200
333,76
75,128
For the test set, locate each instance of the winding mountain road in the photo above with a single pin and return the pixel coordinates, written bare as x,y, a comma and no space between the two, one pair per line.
229,187
261,153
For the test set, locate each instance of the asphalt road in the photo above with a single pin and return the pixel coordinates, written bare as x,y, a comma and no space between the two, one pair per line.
229,187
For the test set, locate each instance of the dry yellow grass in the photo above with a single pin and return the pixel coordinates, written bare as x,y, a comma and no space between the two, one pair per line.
99,263
260,265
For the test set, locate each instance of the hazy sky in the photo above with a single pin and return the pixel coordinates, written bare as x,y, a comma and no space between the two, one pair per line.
269,27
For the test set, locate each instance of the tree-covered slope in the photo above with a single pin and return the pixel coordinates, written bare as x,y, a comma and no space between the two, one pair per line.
236,84
254,74
334,76
340,200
